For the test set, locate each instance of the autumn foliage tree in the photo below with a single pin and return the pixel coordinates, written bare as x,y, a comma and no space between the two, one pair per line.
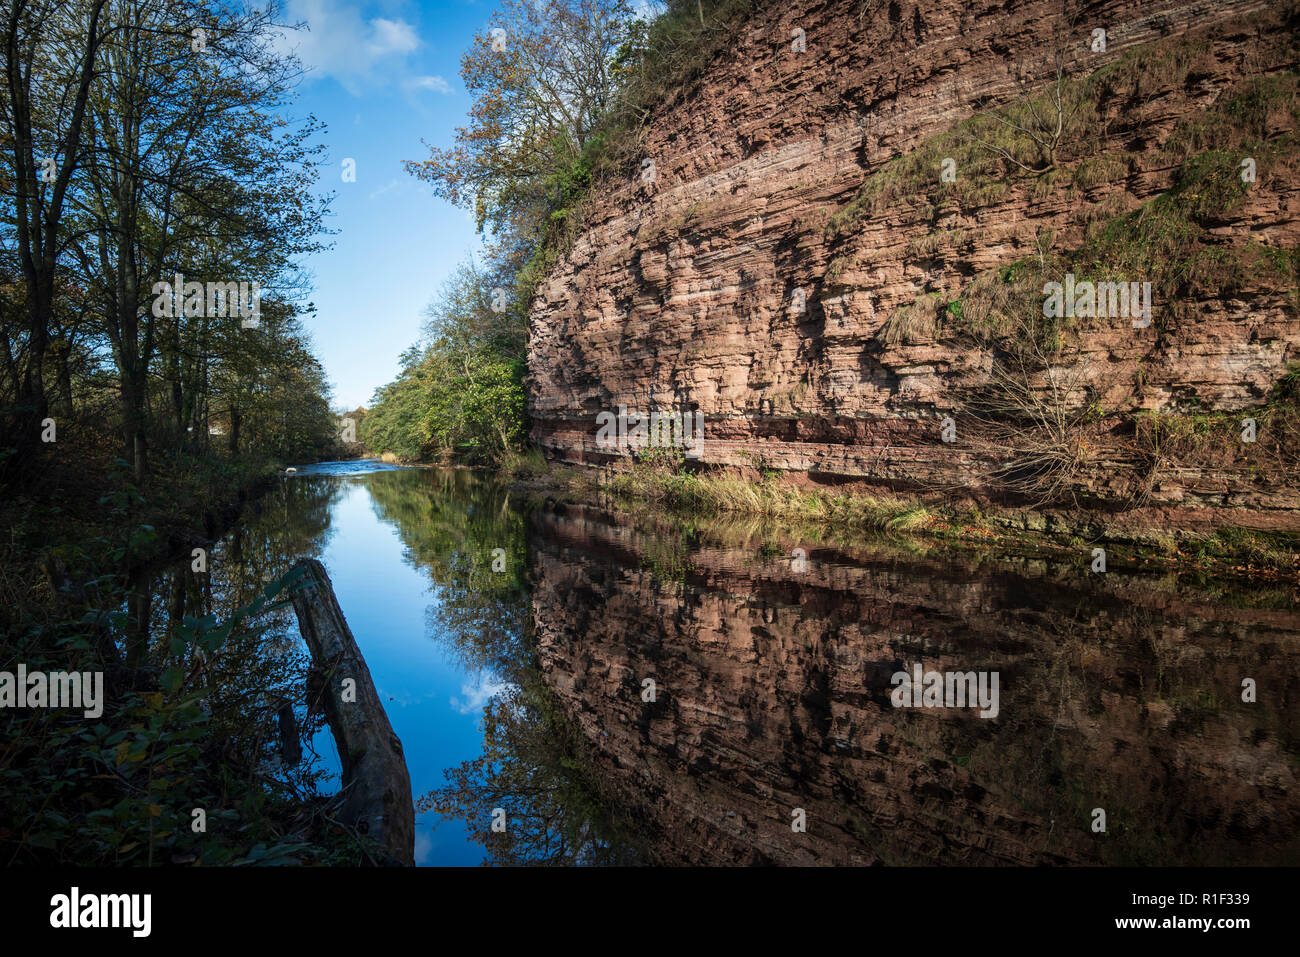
562,91
542,80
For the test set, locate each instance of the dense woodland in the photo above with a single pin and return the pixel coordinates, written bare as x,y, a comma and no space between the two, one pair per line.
142,140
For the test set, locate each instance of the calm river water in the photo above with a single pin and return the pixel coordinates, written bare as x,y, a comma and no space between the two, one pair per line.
653,691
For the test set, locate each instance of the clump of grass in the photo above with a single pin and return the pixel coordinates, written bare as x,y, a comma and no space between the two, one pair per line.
1181,434
1094,170
1006,302
914,322
928,244
915,178
526,462
1259,549
1208,437
732,494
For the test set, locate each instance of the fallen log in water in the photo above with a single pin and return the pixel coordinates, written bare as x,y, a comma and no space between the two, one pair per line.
376,785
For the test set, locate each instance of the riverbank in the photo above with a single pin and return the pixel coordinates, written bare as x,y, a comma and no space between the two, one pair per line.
173,770
85,502
1231,543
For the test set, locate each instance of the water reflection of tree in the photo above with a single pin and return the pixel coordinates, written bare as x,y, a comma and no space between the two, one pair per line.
451,521
261,662
534,766
535,762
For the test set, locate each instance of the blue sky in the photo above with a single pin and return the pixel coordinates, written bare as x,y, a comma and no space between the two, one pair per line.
383,75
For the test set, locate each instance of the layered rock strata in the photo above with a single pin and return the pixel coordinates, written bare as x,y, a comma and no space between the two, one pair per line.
748,279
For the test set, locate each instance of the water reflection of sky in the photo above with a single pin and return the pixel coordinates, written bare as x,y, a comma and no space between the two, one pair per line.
433,703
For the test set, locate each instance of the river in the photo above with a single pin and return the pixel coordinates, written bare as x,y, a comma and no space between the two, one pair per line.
620,690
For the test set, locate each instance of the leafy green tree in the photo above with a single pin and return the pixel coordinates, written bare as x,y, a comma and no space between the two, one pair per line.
50,52
461,394
541,86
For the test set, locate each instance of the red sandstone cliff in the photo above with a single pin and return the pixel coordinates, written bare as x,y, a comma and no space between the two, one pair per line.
819,171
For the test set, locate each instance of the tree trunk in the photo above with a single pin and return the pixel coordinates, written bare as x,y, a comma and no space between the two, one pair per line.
65,376
375,782
133,425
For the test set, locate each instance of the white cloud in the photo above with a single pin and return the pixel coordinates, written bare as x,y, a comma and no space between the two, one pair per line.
435,83
391,184
340,42
477,695
391,36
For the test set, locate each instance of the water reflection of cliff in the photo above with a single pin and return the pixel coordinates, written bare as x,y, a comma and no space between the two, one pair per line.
1117,692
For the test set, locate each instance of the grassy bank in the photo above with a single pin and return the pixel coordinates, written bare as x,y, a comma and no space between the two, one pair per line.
659,485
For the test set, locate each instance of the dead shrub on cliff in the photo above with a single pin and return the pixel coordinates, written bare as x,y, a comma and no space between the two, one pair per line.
1049,110
1027,419
1030,422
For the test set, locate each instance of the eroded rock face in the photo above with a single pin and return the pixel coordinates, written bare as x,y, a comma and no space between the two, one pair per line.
682,292
1120,692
